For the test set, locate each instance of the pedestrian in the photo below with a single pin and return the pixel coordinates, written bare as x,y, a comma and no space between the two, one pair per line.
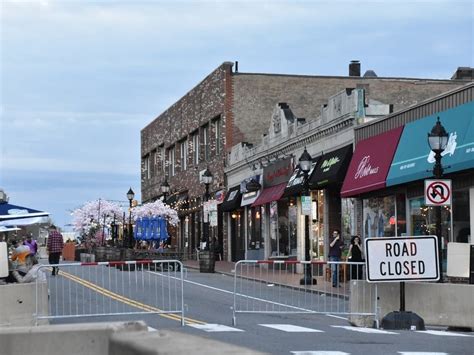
34,272
31,243
54,247
355,255
19,254
335,250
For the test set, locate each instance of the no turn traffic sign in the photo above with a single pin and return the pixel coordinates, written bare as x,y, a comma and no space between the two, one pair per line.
438,192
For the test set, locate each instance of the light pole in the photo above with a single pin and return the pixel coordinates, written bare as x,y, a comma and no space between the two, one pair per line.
165,188
305,162
130,196
207,180
437,140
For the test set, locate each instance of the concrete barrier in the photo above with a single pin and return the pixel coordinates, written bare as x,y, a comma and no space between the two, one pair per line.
17,303
78,339
449,305
170,342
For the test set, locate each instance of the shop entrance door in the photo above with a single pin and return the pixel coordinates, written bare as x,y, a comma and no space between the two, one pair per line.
237,237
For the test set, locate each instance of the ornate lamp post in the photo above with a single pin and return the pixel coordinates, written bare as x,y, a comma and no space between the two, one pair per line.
437,140
207,180
130,196
165,189
305,162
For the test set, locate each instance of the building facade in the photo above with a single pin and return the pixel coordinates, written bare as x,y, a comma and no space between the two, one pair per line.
229,108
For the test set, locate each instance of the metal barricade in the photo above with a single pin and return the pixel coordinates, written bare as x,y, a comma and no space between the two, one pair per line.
280,287
111,289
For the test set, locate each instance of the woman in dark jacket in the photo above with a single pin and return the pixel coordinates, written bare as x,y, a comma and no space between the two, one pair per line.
355,255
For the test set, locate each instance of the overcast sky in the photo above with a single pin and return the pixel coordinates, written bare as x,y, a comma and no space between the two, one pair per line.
80,79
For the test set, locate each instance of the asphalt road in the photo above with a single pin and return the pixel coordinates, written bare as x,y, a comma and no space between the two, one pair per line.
208,302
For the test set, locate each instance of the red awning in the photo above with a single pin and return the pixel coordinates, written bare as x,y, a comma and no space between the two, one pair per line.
370,163
270,194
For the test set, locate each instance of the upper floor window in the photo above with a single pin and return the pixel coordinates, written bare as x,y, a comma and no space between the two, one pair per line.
146,167
171,161
217,134
153,163
163,159
205,143
184,154
196,147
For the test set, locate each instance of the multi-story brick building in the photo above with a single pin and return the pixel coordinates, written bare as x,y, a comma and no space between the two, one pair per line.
229,107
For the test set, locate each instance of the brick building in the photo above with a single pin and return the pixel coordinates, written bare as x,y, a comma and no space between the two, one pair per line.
228,107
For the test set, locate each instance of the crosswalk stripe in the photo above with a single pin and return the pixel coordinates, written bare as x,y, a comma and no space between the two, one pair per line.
291,328
215,328
444,333
310,352
420,353
363,330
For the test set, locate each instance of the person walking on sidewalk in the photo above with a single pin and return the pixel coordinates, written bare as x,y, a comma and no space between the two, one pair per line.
335,251
55,248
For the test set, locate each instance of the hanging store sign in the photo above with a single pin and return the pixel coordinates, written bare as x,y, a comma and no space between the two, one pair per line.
402,259
277,173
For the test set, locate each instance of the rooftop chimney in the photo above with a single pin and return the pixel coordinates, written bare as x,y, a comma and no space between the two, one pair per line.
463,73
354,68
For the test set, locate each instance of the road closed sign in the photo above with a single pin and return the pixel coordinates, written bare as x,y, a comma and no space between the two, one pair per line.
402,259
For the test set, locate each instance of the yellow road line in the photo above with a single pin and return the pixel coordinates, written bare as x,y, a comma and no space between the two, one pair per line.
126,300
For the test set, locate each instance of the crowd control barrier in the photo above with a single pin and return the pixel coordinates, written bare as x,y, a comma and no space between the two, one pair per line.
113,288
275,287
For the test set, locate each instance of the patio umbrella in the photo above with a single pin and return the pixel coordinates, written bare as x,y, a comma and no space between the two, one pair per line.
19,215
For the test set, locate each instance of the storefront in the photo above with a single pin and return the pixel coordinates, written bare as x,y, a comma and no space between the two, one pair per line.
325,183
388,170
278,214
250,189
236,225
383,214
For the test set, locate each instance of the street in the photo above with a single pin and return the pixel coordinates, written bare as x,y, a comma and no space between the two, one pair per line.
208,300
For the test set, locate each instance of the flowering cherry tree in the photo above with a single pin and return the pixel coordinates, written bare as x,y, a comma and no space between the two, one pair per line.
156,208
88,219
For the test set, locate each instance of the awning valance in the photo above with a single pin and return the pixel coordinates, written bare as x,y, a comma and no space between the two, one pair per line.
273,193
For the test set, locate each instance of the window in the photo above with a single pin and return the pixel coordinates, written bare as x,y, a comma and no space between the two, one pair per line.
217,134
196,147
162,159
184,154
153,163
205,143
171,162
146,167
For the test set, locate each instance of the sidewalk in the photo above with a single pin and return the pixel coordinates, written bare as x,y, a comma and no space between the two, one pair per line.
260,272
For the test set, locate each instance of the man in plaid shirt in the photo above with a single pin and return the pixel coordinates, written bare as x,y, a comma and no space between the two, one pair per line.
55,247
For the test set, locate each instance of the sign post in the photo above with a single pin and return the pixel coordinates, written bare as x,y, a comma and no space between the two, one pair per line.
399,260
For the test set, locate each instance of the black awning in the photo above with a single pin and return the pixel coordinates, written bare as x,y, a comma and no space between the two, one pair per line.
295,184
232,200
172,199
331,168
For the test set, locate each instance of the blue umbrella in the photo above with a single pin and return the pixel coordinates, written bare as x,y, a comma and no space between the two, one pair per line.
9,212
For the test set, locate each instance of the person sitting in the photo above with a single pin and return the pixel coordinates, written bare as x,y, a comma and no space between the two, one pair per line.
19,254
31,243
34,272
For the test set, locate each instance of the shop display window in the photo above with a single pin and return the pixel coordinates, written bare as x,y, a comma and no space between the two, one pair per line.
317,225
283,231
384,216
254,228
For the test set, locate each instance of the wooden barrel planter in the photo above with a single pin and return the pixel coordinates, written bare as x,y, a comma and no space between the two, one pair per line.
206,261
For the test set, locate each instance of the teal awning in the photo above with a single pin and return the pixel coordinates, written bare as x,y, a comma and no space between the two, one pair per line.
413,158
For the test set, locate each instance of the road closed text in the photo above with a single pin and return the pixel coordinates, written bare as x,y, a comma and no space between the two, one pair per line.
393,267
402,259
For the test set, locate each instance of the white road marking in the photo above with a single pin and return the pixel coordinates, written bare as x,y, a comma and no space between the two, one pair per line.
310,352
150,329
363,330
215,328
420,353
444,333
291,328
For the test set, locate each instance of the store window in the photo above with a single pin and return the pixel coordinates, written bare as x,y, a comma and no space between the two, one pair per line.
461,216
254,228
317,225
380,217
283,219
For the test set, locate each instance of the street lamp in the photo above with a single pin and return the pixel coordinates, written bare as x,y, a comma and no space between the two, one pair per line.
165,188
207,180
437,140
305,162
130,196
